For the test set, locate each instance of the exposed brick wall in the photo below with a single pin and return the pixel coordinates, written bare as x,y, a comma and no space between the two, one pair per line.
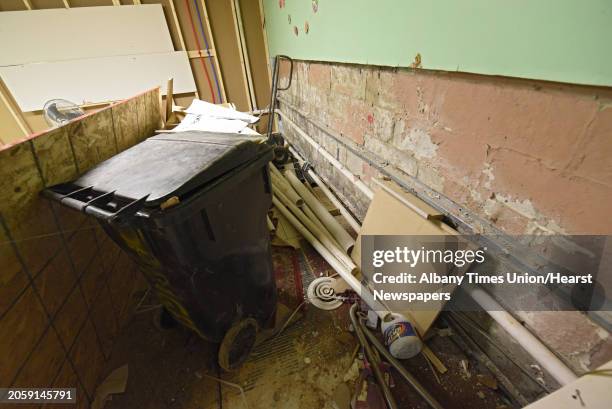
526,156
523,157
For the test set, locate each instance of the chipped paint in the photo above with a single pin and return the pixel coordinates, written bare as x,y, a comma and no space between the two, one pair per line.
419,142
521,159
526,157
487,170
416,63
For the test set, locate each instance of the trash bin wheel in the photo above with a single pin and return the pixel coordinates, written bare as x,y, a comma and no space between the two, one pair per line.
237,344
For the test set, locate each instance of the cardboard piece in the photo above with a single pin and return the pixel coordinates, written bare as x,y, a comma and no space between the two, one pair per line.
410,200
389,216
286,235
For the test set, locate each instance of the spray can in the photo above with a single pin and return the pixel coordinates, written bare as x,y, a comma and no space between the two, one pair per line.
400,336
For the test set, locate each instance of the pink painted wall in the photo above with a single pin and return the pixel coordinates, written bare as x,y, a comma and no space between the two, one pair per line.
528,156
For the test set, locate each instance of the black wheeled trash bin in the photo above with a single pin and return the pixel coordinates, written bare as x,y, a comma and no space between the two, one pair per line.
191,209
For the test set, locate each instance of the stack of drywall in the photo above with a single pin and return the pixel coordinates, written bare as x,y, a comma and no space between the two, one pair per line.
88,54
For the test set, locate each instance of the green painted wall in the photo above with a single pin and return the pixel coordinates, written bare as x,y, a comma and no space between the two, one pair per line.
556,40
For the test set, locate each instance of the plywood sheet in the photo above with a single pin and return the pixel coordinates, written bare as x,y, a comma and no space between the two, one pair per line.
96,79
33,235
223,22
82,32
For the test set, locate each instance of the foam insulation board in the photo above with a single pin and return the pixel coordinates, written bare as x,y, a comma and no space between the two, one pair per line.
96,80
82,32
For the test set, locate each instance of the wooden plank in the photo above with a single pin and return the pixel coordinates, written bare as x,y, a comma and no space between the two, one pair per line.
211,45
15,114
259,58
223,24
199,53
246,61
177,25
91,32
169,100
264,33
116,78
256,42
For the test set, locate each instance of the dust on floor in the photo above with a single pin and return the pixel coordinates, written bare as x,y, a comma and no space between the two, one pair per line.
302,368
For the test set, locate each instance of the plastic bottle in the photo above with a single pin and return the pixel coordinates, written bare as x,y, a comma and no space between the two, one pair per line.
400,336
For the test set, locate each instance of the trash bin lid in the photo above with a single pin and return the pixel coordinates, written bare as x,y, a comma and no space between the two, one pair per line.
172,164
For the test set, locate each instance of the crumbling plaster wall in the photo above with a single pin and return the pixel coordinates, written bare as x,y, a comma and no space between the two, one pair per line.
517,156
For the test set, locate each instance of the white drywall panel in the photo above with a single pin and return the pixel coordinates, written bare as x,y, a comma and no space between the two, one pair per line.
82,32
96,80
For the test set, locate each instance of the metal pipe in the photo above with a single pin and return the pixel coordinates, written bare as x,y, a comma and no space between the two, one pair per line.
391,404
396,364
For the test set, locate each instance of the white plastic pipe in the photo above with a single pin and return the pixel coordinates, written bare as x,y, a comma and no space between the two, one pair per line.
342,270
322,235
331,224
345,213
526,339
281,184
355,180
